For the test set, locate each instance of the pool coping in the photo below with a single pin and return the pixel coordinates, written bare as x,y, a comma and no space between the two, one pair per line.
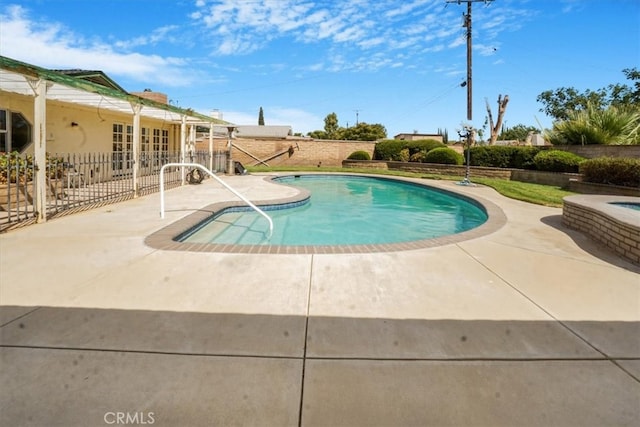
163,239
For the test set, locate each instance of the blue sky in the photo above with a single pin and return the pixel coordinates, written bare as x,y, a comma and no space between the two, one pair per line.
399,63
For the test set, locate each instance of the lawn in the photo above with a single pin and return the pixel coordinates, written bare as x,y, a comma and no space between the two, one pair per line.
532,193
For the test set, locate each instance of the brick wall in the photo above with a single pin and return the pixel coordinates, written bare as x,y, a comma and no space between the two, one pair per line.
620,237
432,168
298,152
593,151
557,179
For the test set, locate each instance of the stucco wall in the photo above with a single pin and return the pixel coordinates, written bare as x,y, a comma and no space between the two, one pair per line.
94,130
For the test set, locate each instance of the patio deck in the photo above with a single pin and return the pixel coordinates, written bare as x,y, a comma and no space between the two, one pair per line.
532,324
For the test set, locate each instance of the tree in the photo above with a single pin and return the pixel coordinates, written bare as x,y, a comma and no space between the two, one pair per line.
559,103
331,125
261,117
502,108
518,132
363,132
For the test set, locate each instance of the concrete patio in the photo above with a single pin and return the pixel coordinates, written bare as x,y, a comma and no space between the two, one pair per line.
532,324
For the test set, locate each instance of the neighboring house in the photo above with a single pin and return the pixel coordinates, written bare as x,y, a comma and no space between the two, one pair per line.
258,132
418,136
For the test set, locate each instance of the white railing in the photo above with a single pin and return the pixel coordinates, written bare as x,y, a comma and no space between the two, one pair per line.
224,184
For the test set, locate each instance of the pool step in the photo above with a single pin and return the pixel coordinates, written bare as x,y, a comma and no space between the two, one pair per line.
245,229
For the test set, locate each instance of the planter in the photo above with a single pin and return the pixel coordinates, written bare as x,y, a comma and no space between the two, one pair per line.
13,195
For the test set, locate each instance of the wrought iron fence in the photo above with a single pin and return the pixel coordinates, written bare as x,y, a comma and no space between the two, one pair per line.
80,181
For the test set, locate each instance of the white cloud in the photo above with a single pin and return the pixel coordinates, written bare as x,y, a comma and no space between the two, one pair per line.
51,45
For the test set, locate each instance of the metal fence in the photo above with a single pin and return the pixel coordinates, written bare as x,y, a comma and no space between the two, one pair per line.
76,182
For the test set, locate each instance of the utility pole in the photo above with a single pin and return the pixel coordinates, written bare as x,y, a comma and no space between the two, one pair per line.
468,129
467,25
357,114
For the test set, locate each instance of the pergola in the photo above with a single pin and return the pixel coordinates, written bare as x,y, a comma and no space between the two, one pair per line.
42,85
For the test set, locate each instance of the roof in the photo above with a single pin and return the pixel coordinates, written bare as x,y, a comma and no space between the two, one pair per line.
260,131
16,77
93,76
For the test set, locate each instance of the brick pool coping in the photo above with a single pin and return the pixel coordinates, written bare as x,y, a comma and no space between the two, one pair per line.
164,238
616,227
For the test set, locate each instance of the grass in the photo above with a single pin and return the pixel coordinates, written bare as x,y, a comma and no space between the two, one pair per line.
538,194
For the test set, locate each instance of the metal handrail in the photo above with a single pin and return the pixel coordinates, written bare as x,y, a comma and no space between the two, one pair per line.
224,184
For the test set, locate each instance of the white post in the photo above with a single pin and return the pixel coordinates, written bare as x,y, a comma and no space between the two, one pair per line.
183,143
211,147
136,144
40,147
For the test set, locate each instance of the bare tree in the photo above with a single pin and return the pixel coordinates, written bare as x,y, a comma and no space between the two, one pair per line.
502,107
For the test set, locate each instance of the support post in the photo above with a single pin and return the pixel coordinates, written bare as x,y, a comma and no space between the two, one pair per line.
230,163
137,108
183,143
211,147
40,147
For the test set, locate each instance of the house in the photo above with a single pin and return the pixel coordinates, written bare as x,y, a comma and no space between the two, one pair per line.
86,111
49,112
418,136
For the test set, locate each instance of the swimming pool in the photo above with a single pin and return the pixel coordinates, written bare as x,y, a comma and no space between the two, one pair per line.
345,210
628,205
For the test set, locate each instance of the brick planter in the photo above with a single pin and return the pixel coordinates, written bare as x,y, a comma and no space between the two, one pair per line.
616,227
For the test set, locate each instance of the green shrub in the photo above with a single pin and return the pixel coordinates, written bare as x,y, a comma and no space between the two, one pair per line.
359,155
443,155
424,145
499,156
522,157
388,149
614,171
557,161
418,157
614,125
391,149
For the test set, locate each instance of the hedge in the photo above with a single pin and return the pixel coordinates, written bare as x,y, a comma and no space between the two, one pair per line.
392,149
359,155
444,155
557,161
623,171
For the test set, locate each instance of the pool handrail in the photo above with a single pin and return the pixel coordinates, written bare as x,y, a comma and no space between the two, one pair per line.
224,184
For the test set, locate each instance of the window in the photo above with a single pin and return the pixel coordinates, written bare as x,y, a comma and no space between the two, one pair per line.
15,131
117,147
3,131
156,140
144,147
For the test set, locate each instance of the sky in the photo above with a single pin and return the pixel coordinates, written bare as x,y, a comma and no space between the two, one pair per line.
399,63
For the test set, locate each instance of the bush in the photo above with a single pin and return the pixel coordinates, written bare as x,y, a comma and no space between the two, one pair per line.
498,156
391,149
623,171
359,155
557,161
388,149
443,155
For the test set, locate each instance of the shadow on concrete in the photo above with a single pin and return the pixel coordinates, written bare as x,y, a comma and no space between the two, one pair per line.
590,245
78,366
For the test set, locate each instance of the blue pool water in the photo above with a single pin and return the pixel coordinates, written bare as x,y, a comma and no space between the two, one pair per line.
628,205
347,210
